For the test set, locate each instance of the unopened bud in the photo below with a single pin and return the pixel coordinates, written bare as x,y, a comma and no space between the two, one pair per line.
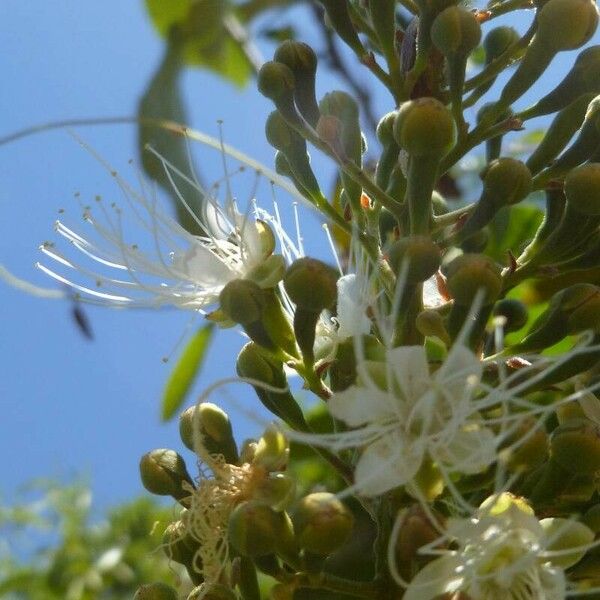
431,324
506,181
322,523
417,256
255,529
214,426
311,284
527,448
582,189
469,273
272,451
424,127
163,472
567,24
277,491
242,301
179,546
575,446
302,61
456,30
276,81
497,41
155,591
416,531
514,313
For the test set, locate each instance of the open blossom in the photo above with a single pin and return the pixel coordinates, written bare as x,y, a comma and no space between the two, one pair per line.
503,552
400,415
136,255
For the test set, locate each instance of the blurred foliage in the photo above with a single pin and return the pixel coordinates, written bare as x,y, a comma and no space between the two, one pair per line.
54,549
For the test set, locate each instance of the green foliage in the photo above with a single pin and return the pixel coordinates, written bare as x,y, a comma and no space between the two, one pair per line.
185,372
57,550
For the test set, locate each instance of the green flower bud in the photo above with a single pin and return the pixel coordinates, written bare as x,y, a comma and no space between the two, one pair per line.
155,591
564,534
163,472
497,41
279,133
561,25
278,491
424,127
276,81
506,181
215,427
514,313
567,24
418,254
311,284
179,546
431,324
255,529
247,450
583,79
242,301
322,523
582,189
385,129
253,363
269,273
575,446
302,61
456,31
272,451
469,273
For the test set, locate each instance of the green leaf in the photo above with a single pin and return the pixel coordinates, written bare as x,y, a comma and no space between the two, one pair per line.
183,375
162,101
213,37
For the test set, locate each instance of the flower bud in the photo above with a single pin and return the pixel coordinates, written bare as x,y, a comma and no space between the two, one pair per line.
272,451
567,24
424,127
163,472
269,273
276,81
215,427
431,324
581,80
582,189
155,591
277,491
322,523
418,255
575,445
242,301
456,30
255,529
564,534
522,456
416,531
561,25
302,61
385,129
469,273
497,41
311,284
514,313
389,155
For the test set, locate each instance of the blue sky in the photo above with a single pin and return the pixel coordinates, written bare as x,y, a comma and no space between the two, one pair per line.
70,406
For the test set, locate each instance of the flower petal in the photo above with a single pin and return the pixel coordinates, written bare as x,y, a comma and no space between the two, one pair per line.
358,406
410,371
202,266
351,307
471,450
386,464
436,578
459,373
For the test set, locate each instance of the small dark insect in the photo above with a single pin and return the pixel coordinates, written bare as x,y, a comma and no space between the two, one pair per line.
82,322
80,318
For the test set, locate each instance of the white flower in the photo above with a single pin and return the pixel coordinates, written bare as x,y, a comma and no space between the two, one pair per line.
400,415
149,260
504,553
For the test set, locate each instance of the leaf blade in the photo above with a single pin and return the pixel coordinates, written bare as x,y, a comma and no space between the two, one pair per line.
185,372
